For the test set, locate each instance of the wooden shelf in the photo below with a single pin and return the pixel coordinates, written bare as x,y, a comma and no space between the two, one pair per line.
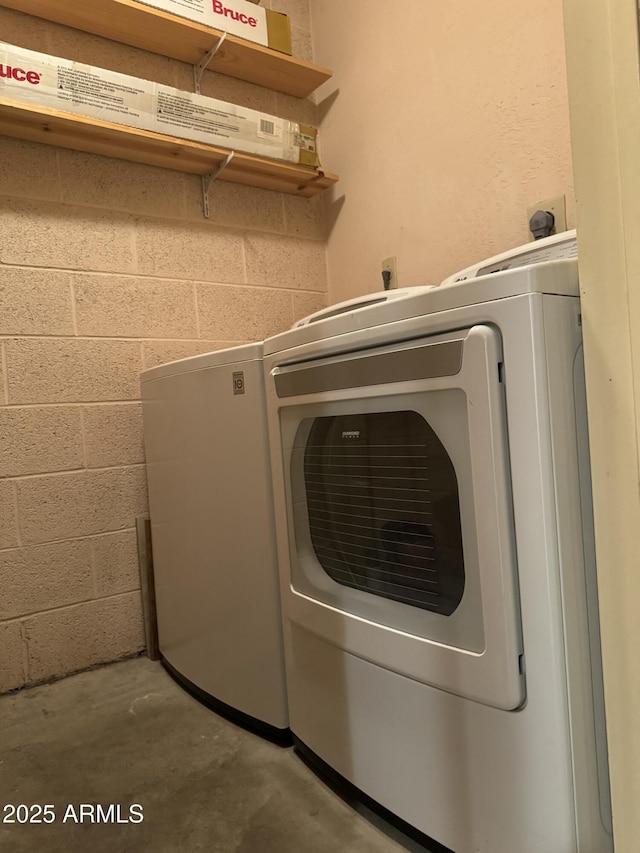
53,127
159,32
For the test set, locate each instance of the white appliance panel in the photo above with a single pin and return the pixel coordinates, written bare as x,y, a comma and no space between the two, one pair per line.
211,505
476,650
474,776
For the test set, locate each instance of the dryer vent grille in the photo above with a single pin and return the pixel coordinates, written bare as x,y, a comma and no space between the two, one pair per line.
382,502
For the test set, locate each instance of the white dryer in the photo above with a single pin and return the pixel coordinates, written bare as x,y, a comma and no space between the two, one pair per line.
436,555
214,552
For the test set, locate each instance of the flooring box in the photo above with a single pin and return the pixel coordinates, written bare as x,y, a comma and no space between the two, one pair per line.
42,80
238,17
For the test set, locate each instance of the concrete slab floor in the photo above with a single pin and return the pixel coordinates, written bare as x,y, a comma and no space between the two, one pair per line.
127,734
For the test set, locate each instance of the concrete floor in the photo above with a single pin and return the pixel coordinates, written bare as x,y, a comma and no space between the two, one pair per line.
128,734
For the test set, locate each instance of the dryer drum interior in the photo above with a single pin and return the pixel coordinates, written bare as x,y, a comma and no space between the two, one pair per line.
384,515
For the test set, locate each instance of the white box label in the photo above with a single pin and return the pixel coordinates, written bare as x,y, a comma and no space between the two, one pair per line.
238,17
72,87
30,77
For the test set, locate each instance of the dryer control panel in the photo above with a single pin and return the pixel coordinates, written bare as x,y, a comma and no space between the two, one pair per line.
554,248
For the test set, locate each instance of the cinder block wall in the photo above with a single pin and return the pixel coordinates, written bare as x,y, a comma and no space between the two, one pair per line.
106,268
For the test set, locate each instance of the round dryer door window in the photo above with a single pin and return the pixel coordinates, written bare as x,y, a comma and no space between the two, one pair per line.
384,515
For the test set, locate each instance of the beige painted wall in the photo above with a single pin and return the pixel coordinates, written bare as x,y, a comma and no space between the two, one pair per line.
445,122
604,85
106,268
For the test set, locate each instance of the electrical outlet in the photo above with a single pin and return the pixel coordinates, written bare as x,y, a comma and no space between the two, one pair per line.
390,265
557,206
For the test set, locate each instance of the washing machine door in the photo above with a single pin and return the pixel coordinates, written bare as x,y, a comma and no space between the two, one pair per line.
399,511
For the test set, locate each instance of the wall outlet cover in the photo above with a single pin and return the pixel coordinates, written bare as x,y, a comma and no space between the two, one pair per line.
557,206
391,265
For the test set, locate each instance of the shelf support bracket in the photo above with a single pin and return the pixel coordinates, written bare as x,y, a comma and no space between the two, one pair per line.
207,180
200,68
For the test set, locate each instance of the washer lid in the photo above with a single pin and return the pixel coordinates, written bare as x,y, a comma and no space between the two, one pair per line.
377,298
217,358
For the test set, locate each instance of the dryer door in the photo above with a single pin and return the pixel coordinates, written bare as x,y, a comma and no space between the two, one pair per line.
399,511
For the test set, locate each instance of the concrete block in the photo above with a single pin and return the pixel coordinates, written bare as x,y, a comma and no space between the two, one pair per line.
116,562
38,439
42,234
243,313
93,50
304,217
44,577
89,179
29,169
302,43
12,657
3,375
161,352
188,251
113,434
307,303
8,519
65,506
23,30
303,110
237,206
61,371
123,306
35,302
285,262
183,76
73,638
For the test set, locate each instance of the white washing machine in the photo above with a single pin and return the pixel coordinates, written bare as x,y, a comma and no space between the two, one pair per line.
212,529
435,542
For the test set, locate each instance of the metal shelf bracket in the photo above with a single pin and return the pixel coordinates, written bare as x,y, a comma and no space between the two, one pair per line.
200,68
207,180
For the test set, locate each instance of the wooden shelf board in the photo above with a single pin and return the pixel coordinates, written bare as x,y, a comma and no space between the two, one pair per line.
67,130
151,29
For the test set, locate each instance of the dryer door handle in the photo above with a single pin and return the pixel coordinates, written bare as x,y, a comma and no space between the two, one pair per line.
414,362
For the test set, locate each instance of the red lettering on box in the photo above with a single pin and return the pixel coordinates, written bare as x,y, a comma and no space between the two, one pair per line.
19,74
220,9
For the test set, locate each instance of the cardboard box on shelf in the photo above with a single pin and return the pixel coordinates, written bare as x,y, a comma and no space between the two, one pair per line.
71,87
239,17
